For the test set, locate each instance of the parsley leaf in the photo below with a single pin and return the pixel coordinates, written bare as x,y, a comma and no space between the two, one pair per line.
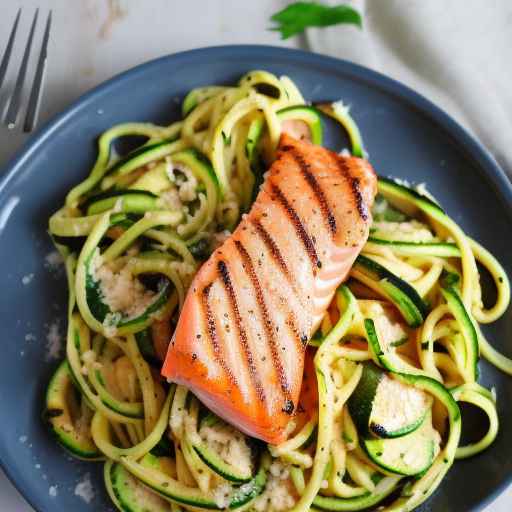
298,16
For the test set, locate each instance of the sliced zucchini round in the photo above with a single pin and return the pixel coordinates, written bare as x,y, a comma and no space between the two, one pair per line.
386,407
402,294
62,407
419,490
407,455
383,489
131,495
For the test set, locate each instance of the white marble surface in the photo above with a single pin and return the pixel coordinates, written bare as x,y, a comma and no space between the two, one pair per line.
87,47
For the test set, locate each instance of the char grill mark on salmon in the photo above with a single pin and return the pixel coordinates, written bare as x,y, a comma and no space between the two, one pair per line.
272,248
355,187
211,330
253,371
315,187
268,325
297,224
260,297
274,252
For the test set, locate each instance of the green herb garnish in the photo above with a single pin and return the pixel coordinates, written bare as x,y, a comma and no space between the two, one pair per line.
298,16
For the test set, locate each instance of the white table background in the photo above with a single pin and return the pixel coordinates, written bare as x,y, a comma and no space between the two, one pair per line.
92,40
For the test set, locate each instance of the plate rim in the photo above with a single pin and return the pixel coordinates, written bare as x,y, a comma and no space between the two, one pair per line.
488,167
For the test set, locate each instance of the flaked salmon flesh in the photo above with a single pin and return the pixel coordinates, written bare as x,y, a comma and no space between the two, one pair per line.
242,334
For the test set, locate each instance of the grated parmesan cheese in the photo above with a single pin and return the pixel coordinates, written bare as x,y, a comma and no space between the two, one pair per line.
400,181
53,260
27,279
53,341
52,491
221,495
229,444
84,488
121,291
279,494
421,188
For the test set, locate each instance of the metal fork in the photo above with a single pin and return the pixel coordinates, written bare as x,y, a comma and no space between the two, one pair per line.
16,97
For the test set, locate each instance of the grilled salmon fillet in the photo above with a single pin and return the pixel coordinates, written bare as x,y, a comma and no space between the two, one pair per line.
241,338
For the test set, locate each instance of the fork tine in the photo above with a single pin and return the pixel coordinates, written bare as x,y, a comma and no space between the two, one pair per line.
14,104
35,93
8,49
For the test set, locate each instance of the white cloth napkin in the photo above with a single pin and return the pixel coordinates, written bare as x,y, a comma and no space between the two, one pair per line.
457,53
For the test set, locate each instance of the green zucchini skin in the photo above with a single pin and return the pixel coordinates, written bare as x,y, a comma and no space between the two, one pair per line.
310,115
389,188
91,288
214,461
402,294
100,309
361,407
383,211
131,499
58,419
219,466
384,355
144,341
128,409
141,156
468,330
197,96
421,443
173,491
252,489
132,201
360,402
440,249
251,143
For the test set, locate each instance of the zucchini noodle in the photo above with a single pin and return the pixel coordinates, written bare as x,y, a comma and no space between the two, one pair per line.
134,233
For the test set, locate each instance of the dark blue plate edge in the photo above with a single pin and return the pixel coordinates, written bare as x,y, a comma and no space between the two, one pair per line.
487,165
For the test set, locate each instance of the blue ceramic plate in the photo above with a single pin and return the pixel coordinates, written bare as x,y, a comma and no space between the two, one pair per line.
405,135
